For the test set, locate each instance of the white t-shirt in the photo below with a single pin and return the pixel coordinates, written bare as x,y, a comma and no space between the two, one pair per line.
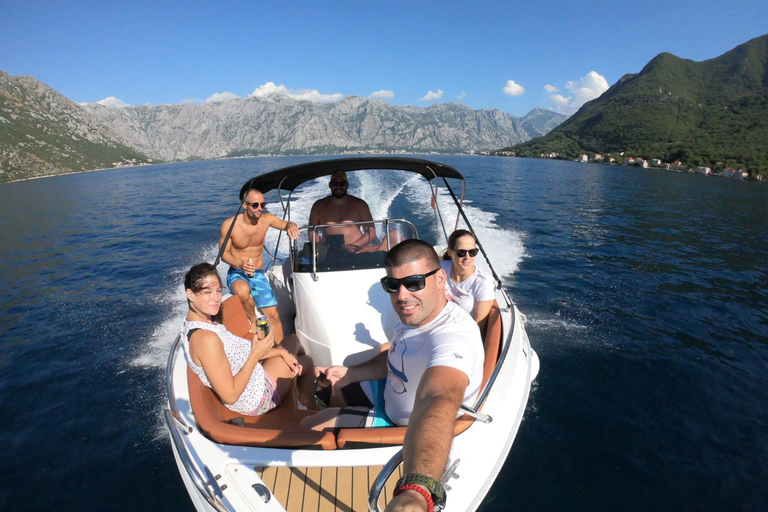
452,339
476,288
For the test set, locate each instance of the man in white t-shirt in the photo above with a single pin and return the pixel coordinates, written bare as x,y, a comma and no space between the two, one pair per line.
433,365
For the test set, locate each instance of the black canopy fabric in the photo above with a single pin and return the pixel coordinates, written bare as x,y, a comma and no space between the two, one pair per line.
288,178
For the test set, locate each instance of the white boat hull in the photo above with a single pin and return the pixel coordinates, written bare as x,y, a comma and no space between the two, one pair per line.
481,449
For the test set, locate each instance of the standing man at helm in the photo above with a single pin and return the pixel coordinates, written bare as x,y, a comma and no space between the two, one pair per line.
342,208
244,254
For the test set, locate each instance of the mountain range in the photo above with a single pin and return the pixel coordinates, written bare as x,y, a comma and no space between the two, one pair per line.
44,133
700,113
281,125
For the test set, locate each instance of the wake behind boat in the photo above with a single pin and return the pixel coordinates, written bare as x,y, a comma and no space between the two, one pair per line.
333,300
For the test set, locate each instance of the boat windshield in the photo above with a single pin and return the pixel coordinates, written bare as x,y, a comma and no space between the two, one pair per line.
322,248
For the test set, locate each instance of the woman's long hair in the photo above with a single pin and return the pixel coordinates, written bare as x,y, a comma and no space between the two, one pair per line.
193,280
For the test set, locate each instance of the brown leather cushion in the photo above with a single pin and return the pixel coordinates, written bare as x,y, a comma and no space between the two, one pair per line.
351,437
277,428
234,317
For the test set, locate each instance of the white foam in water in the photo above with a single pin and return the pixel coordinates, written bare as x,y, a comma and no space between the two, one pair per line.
555,322
505,247
155,353
380,192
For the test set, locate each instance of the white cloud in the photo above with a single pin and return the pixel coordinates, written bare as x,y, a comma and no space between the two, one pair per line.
432,95
113,102
221,97
190,101
270,88
462,95
583,90
559,100
382,95
513,89
551,88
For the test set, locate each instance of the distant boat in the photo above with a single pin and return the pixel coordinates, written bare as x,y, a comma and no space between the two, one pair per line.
266,463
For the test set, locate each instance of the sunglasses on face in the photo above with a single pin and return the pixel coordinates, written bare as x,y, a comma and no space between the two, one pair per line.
412,283
463,252
256,205
338,183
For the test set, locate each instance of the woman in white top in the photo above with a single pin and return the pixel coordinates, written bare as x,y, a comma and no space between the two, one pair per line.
468,286
250,376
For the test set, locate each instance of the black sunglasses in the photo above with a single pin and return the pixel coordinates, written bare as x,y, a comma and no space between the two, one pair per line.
256,205
338,183
463,252
412,283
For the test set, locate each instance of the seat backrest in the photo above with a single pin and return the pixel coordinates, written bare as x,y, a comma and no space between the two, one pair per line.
234,317
494,330
279,427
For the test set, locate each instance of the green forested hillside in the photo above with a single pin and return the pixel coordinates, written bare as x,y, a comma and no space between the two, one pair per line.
42,133
699,113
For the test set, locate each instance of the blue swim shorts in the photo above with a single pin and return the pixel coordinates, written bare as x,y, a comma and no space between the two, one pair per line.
261,291
368,394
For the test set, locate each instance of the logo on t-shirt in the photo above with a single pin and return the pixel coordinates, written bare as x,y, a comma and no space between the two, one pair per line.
397,377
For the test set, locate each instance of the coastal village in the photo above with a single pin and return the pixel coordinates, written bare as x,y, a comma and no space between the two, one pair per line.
718,170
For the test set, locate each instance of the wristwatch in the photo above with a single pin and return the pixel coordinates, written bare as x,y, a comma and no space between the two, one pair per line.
435,488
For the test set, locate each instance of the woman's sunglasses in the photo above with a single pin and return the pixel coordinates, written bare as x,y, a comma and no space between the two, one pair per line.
412,283
463,252
256,205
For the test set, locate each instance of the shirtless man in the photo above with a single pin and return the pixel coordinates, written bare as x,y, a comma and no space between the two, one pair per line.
339,208
244,256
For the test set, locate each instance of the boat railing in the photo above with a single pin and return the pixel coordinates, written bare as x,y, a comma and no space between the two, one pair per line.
492,379
213,497
317,250
381,480
176,426
174,410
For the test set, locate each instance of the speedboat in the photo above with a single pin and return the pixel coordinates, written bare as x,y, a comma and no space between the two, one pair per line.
332,299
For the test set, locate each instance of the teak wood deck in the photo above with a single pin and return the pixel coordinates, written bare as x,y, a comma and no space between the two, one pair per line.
326,489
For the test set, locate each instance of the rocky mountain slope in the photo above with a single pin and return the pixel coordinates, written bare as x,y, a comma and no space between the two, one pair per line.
700,113
43,133
281,125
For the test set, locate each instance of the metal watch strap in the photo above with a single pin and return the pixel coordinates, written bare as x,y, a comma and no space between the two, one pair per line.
434,487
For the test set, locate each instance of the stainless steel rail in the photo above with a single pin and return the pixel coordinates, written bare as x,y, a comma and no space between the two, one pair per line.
174,410
176,427
381,481
384,222
212,497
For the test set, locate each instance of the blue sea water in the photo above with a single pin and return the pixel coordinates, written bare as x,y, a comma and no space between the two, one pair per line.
646,294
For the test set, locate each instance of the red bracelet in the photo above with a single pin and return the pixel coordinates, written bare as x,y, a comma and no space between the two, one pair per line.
413,487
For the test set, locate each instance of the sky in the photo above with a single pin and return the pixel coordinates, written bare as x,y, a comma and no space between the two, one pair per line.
513,56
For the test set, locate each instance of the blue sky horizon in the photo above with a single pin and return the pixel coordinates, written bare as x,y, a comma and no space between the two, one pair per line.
487,54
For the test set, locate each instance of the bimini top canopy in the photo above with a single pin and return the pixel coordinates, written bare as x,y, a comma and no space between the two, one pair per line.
288,178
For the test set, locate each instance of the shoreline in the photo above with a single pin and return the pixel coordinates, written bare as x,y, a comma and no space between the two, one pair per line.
234,158
76,172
